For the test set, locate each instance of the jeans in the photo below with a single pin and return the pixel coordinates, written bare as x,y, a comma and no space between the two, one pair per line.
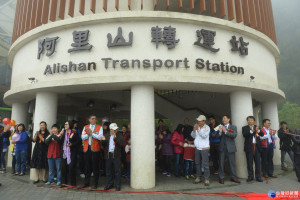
179,162
3,162
291,154
189,167
21,161
54,163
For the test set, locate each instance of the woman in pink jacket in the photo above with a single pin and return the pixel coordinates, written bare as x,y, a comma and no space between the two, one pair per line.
178,142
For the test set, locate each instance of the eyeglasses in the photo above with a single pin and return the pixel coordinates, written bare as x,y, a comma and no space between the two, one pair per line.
66,124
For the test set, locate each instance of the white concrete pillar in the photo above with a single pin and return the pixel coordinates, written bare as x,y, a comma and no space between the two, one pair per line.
45,110
241,107
19,114
256,112
270,111
142,137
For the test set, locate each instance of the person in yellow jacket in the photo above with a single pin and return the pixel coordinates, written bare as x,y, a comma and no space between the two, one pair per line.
12,150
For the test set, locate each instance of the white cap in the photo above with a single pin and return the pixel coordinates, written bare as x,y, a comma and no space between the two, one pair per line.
113,126
201,118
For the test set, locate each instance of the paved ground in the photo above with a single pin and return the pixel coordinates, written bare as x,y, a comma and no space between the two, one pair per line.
20,188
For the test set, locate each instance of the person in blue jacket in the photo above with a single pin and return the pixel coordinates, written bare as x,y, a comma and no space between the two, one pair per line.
21,150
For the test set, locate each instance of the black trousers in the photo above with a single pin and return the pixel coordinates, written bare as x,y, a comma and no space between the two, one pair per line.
253,156
80,158
167,163
113,171
123,160
69,169
297,165
214,153
267,160
91,161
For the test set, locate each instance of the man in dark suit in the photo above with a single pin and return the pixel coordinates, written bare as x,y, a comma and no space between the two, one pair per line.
252,148
112,154
227,133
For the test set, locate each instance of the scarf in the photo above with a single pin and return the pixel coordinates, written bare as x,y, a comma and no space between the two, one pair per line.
67,152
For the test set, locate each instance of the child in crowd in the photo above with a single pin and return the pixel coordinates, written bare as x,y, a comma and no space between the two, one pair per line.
189,157
167,151
54,154
127,151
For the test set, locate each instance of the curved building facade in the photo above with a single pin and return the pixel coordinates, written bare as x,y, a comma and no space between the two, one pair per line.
132,53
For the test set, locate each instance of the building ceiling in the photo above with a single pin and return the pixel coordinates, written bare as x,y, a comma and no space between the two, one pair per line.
7,15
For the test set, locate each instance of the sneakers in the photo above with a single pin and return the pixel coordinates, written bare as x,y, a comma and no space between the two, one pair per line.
284,168
197,180
216,173
82,175
58,183
3,171
187,177
164,173
206,182
168,174
193,176
48,183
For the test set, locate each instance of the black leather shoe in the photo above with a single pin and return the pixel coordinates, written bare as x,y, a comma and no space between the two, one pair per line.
108,187
85,186
95,187
35,182
118,189
259,180
249,179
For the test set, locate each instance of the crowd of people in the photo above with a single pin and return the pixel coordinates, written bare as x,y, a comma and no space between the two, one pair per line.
187,151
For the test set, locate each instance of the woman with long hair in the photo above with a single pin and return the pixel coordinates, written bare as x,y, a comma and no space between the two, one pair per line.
39,159
21,150
70,140
178,142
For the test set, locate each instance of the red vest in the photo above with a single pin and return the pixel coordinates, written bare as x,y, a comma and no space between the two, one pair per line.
265,143
95,143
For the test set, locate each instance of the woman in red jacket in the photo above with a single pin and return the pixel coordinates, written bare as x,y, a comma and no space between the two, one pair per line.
178,142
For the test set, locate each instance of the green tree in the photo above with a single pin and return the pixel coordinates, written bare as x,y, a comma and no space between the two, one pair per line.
290,112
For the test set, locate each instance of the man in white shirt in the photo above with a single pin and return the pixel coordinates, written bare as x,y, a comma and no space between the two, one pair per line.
201,134
92,135
268,146
252,148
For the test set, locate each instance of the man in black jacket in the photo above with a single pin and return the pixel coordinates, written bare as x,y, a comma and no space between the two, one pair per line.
285,144
112,154
252,148
296,149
